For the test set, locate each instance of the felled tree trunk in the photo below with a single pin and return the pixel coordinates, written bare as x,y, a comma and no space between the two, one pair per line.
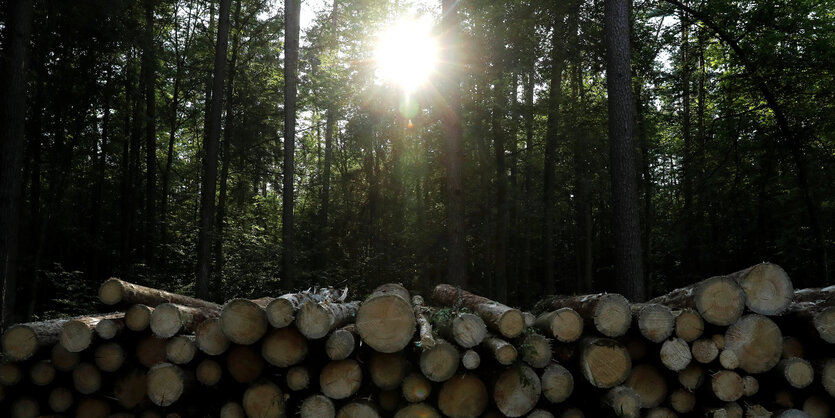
115,291
503,319
609,313
386,319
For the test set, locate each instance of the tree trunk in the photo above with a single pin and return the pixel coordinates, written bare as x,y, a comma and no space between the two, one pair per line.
499,289
292,10
12,122
148,76
628,254
209,178
451,124
549,181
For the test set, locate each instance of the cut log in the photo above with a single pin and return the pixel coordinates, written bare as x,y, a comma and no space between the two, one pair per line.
150,351
86,378
623,402
719,340
109,328
564,324
21,341
131,388
316,319
727,385
386,319
816,318
790,413
284,347
691,377
166,383
340,379
637,348
768,289
62,359
609,313
208,372
418,410
689,324
463,396
25,407
425,338
649,384
796,371
138,317
110,357
440,362
114,291
342,342
232,410
783,398
169,319
682,401
244,321
719,300
540,413
298,378
501,350
757,342
828,376
661,412
517,391
92,407
387,370
675,354
77,334
792,347
729,359
244,364
416,388
557,383
655,321
264,400
317,406
465,329
60,400
704,350
605,363
536,350
210,337
470,360
750,386
42,373
181,349
358,409
507,321
10,374
817,407
572,413
281,311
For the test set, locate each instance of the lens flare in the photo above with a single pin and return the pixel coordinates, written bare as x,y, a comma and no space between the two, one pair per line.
406,54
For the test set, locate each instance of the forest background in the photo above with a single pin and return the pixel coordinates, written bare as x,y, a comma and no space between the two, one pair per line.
105,163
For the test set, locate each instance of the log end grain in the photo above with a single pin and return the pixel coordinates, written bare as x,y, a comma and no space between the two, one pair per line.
689,325
691,377
340,379
468,330
817,407
612,315
536,351
517,391
358,410
387,370
675,354
727,385
768,289
655,322
298,378
416,388
166,384
76,335
682,400
109,357
564,324
181,349
649,384
86,378
208,372
166,320
107,329
131,388
704,350
463,396
313,320
244,364
10,374
418,410
825,324
317,406
111,291
828,377
265,400
138,317
243,321
750,386
623,401
470,360
340,343
19,342
440,362
719,300
604,363
797,372
386,320
757,341
60,400
284,347
281,312
42,373
210,337
557,383
62,359
728,359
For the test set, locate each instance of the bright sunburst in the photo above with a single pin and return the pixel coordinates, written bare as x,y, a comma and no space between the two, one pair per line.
407,53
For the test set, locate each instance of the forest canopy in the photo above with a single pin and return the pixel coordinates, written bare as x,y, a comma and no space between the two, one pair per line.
472,145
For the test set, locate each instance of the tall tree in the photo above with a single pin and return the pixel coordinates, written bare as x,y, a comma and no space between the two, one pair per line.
148,71
12,122
451,125
292,16
549,183
210,151
627,225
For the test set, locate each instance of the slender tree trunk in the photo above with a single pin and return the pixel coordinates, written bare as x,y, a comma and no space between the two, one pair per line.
330,121
628,255
527,219
125,207
148,81
689,254
12,126
98,186
292,16
451,125
549,182
500,260
209,179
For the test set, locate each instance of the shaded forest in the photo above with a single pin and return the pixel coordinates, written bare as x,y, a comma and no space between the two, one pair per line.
225,149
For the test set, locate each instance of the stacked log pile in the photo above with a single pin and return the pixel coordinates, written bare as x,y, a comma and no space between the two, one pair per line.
745,344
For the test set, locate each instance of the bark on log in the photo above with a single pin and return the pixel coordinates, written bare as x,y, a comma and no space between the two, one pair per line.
317,406
181,349
609,313
463,396
342,342
825,294
757,342
557,383
340,379
21,341
77,333
167,383
440,362
316,319
719,300
284,347
244,364
110,357
501,350
114,291
281,311
517,391
386,319
564,324
210,337
416,388
655,321
605,363
425,338
169,319
244,321
649,384
689,324
264,400
503,319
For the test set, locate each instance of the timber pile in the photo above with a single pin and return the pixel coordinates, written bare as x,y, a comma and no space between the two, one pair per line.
745,344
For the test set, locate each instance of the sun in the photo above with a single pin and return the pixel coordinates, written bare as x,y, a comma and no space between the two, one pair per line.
406,53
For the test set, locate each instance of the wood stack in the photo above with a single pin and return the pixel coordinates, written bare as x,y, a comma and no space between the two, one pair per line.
745,344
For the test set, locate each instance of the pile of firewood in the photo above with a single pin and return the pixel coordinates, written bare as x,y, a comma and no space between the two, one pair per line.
745,344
